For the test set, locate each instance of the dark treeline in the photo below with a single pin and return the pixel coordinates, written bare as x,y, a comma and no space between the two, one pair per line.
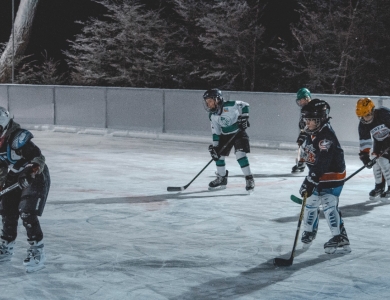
329,46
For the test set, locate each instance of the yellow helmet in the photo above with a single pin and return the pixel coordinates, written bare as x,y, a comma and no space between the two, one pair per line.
364,107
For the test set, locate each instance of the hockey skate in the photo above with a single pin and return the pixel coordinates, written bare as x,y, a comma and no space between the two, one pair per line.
35,257
339,244
379,190
307,238
298,168
6,250
219,183
250,184
385,196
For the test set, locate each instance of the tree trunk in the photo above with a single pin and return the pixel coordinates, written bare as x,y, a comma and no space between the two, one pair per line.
22,28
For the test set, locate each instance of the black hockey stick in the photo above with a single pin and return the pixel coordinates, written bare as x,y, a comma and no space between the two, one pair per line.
10,188
182,188
281,262
372,162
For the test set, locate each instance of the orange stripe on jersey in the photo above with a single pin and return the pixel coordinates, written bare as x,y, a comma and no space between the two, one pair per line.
333,176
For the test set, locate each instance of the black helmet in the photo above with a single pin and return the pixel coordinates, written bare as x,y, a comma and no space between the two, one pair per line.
319,111
215,94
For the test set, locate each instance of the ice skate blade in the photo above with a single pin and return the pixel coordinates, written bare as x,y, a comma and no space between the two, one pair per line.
338,250
33,269
250,191
374,198
221,187
384,199
306,246
297,172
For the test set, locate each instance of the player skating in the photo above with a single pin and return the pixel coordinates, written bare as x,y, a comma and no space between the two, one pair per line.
303,98
227,118
324,183
21,162
374,130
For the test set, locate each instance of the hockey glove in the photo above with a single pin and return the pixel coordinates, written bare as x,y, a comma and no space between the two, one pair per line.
214,152
301,138
27,175
308,185
365,158
243,122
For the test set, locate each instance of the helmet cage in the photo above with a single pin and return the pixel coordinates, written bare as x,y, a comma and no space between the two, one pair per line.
216,95
317,110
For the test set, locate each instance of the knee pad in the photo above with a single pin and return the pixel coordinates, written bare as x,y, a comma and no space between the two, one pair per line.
331,212
28,219
377,171
385,167
311,214
33,228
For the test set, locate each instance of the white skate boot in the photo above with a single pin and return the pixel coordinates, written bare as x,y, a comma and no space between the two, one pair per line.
6,250
35,257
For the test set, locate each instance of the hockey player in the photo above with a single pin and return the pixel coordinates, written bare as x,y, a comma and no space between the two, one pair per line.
227,118
323,185
303,98
21,162
374,129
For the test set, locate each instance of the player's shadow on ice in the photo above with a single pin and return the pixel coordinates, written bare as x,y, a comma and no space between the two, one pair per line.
272,175
353,210
251,280
151,198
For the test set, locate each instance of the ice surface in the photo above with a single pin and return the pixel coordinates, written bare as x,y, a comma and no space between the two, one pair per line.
112,231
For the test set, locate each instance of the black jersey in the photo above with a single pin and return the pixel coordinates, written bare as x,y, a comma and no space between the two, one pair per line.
376,134
325,157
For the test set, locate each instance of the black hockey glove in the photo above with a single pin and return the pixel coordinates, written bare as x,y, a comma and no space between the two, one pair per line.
214,152
308,185
27,176
301,138
243,122
365,158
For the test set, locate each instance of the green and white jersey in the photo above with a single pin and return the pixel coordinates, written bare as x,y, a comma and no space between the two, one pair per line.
226,122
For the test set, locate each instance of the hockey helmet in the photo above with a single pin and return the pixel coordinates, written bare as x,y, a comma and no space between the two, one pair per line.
213,106
317,110
303,93
365,108
4,121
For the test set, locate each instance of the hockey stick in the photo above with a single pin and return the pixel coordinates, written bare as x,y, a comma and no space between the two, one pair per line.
182,188
372,162
281,262
10,188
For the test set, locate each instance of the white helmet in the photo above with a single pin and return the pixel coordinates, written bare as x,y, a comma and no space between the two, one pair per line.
4,121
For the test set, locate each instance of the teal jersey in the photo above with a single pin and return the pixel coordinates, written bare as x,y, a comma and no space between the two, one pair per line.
226,122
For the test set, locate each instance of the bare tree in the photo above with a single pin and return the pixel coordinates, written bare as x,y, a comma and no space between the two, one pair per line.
233,37
326,46
18,43
127,48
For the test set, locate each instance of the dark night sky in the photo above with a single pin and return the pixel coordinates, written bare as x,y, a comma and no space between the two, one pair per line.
55,21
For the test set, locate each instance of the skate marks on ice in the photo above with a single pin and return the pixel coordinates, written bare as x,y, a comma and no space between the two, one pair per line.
348,211
252,280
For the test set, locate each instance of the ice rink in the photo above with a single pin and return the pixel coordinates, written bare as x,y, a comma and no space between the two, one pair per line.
112,231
